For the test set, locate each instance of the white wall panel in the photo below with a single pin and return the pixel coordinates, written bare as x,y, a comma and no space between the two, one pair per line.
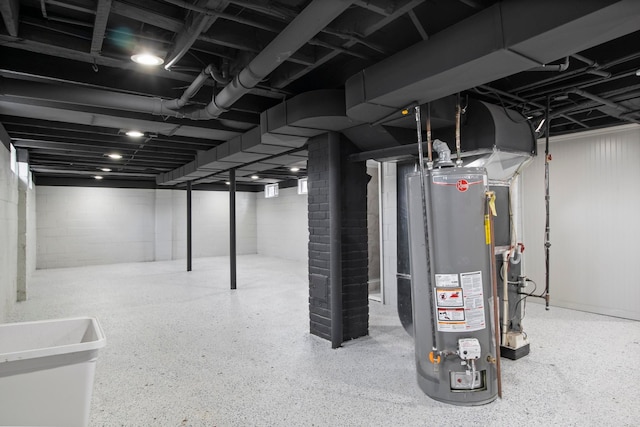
595,230
8,233
283,227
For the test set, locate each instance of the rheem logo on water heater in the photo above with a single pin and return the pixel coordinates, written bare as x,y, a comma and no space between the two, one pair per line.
462,185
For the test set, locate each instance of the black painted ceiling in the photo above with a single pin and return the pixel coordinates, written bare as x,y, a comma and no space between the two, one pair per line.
72,45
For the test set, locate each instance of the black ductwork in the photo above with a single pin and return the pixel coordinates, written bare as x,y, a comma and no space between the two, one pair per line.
499,41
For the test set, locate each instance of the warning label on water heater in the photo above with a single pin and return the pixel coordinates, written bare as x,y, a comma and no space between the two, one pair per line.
462,308
443,280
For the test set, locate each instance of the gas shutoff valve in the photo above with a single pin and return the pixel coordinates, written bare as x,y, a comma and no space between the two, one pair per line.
469,348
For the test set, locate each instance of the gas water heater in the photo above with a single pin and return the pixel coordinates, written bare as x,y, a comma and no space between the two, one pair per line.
452,288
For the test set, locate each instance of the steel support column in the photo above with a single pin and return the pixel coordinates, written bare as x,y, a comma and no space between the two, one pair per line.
232,226
335,234
189,253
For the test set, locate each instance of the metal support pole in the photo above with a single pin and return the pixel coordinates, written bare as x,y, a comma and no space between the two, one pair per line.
189,253
335,234
232,226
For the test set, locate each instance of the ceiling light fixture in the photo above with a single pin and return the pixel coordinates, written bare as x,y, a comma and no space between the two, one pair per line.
294,169
638,72
115,156
105,169
254,177
227,182
146,58
134,133
98,177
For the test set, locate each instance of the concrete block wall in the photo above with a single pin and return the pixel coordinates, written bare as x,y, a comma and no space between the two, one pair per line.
210,223
79,226
8,233
389,233
26,248
355,260
373,225
282,225
355,304
164,225
88,226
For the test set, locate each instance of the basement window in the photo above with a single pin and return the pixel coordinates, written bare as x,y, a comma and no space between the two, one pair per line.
270,190
302,186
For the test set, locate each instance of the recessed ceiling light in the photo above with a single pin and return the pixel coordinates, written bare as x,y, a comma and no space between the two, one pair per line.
134,133
254,177
115,156
294,169
638,72
105,169
146,58
97,177
228,183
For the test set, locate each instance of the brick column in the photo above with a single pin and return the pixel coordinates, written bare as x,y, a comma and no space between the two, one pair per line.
354,257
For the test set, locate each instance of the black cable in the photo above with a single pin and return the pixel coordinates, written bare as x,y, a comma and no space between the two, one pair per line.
526,295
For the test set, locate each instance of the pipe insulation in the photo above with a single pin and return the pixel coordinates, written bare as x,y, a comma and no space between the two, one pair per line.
316,16
307,24
196,85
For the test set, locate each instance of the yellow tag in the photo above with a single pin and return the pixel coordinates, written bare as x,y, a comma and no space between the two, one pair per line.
487,229
492,203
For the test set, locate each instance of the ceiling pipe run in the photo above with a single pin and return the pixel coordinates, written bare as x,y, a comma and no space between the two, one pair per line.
501,40
196,85
316,16
305,26
192,30
553,67
594,67
620,112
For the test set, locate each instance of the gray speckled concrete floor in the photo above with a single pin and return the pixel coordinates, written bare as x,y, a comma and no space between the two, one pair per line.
183,350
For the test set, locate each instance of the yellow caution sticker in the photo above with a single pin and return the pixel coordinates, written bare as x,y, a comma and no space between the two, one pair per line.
487,229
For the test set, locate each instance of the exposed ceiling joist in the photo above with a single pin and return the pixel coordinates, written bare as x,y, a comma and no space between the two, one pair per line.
196,25
100,25
10,10
100,93
281,80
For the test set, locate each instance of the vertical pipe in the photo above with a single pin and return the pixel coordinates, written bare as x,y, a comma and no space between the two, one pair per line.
423,194
494,286
381,220
429,141
547,197
335,234
189,242
232,227
458,114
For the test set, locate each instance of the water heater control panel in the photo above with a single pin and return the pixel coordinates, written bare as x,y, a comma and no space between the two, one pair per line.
469,348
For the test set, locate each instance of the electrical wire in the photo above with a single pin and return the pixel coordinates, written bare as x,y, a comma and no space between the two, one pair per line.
527,295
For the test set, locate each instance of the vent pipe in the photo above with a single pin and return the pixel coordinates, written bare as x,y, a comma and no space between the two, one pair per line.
303,28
